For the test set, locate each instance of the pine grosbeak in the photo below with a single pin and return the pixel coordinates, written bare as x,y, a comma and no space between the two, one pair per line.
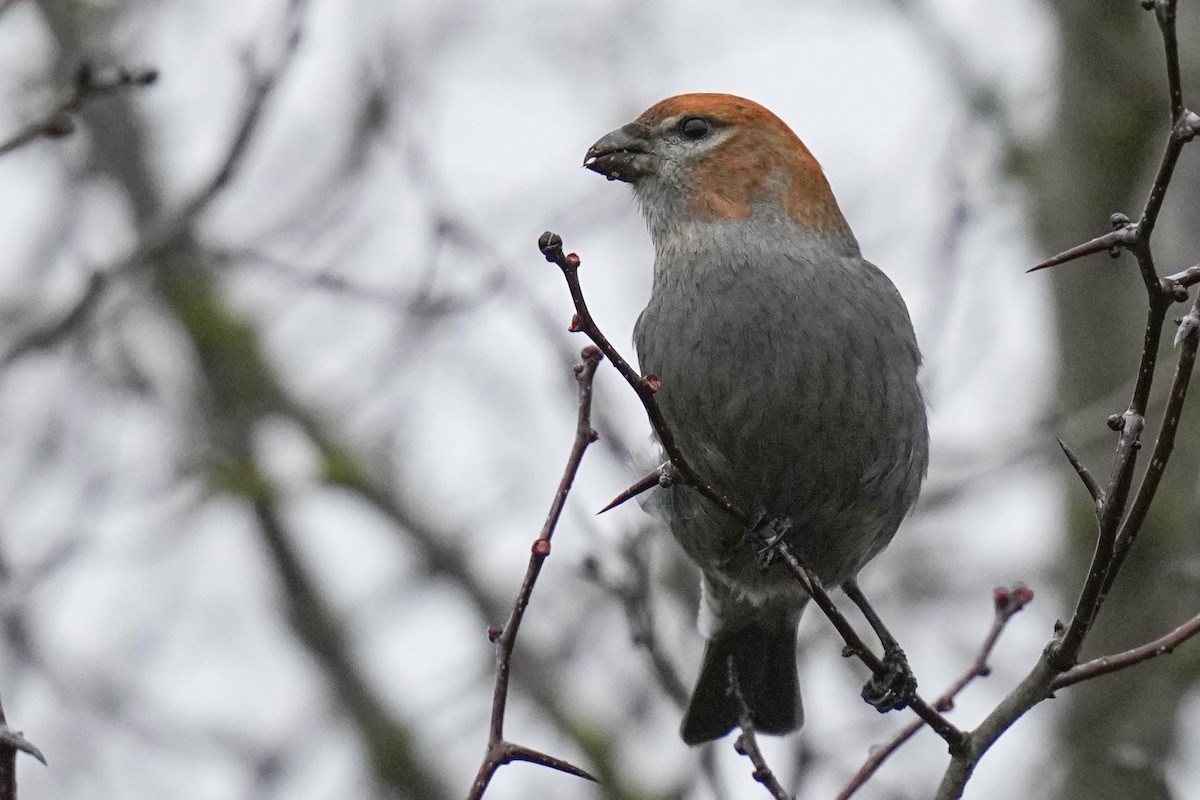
789,376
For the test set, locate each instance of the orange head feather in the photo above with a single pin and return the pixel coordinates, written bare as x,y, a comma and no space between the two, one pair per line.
751,158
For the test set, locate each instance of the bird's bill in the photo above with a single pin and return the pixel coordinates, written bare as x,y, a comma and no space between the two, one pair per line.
622,155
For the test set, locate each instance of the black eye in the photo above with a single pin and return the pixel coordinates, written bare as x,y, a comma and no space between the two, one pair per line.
695,127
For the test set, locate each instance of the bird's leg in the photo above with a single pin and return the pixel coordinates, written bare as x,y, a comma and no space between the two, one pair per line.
895,688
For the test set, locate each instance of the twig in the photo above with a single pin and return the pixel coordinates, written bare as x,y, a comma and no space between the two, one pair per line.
1107,664
551,246
747,743
1007,602
88,84
499,751
1163,445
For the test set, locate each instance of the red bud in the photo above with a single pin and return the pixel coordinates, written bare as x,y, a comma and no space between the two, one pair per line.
541,547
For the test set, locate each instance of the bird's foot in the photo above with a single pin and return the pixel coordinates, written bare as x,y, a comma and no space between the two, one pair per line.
765,534
896,687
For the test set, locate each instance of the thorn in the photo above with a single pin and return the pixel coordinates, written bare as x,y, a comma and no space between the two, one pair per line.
16,739
517,752
1112,241
1084,474
644,485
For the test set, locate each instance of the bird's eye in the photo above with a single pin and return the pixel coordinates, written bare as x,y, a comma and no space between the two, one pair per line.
695,127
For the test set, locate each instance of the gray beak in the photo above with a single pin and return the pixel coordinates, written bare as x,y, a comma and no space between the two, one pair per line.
622,155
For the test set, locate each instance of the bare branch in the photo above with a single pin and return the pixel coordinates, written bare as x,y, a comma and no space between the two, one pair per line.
11,742
747,743
1007,603
1118,522
89,84
1108,664
551,245
499,751
1189,328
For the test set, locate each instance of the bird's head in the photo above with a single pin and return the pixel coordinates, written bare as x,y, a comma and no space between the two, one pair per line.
698,158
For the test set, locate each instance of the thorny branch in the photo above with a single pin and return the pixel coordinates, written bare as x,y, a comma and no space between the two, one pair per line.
499,751
1007,603
551,246
1120,511
10,742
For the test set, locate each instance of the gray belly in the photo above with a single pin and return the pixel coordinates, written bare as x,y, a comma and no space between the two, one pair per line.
804,411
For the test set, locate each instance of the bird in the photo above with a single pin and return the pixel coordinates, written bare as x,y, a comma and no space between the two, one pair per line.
787,365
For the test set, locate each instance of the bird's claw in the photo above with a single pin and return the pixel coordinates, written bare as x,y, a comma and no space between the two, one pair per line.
895,688
765,534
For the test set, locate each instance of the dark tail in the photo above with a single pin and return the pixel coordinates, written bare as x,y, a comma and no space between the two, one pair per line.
764,659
